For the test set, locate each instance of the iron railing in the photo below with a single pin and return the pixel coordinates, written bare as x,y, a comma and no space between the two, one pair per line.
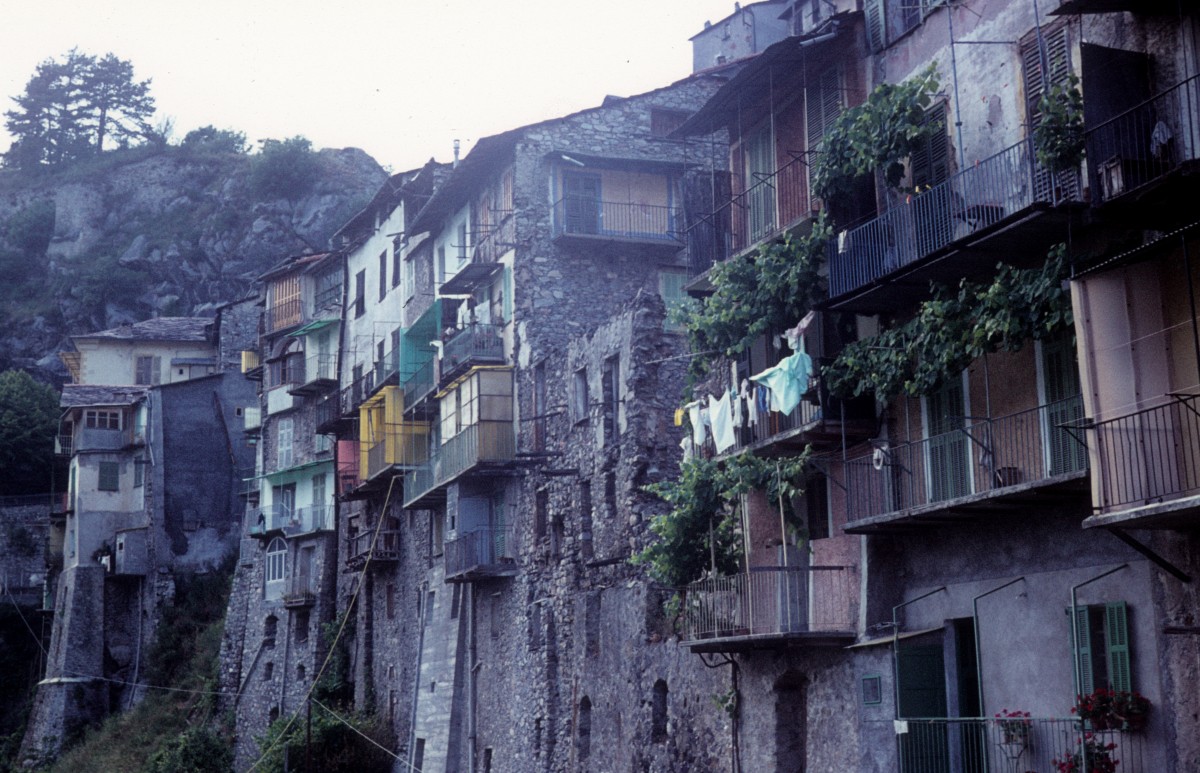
476,344
327,412
301,592
976,197
64,444
983,456
769,205
980,745
481,552
498,239
1149,456
305,520
584,216
1144,142
771,602
269,518
386,370
386,546
419,384
483,443
403,444
320,367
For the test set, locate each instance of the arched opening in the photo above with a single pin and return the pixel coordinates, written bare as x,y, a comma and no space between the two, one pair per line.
276,568
658,712
791,723
270,628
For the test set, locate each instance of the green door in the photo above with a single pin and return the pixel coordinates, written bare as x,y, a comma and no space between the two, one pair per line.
760,199
1064,405
947,454
581,203
921,683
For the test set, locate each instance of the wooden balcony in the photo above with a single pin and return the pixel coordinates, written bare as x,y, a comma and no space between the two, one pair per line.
988,466
381,549
771,608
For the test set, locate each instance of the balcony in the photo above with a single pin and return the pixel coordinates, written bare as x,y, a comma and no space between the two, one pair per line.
1139,156
583,220
301,592
306,520
64,444
382,547
1148,466
314,374
481,554
403,445
60,505
283,315
771,205
1006,207
487,444
988,466
97,439
476,344
385,372
980,744
496,239
419,385
771,608
267,521
328,413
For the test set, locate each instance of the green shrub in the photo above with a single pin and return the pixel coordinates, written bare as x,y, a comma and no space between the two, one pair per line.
284,169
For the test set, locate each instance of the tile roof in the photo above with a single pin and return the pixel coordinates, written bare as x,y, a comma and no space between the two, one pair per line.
157,329
77,395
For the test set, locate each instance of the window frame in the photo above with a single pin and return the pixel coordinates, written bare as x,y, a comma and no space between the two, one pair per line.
108,476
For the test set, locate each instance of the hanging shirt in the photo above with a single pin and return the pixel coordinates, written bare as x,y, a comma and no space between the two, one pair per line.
786,381
735,402
695,417
750,393
720,414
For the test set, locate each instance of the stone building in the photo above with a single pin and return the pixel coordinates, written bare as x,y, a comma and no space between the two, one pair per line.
1020,530
152,428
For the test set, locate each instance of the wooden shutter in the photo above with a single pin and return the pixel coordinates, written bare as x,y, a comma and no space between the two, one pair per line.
110,476
1116,635
876,31
824,105
1081,651
931,160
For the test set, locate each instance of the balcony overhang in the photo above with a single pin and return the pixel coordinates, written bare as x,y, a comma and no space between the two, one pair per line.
470,277
1021,239
1181,513
313,327
734,643
1049,492
1147,7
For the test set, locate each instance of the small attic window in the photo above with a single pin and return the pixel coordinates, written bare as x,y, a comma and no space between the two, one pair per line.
664,121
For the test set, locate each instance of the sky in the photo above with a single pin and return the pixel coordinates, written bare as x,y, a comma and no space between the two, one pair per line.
401,79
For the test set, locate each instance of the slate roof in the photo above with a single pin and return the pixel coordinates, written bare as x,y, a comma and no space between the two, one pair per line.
78,395
190,329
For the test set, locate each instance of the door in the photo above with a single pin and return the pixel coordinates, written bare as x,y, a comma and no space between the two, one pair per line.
319,504
284,499
921,689
581,203
324,363
947,447
473,521
1064,405
760,191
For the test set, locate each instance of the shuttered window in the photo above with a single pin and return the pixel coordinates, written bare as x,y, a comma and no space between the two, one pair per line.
110,476
876,30
1103,649
1054,61
824,104
931,159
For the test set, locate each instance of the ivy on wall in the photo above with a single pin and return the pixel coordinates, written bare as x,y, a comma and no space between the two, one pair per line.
878,134
701,531
953,328
771,288
1059,137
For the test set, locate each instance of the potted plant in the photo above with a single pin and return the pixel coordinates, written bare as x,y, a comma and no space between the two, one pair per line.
1132,708
1091,756
1097,709
1015,726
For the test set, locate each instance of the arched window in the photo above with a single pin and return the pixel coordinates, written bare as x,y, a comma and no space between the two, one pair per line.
276,560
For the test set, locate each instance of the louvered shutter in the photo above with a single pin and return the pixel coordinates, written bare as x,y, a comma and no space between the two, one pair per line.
1081,652
931,160
824,105
1042,69
876,33
1116,634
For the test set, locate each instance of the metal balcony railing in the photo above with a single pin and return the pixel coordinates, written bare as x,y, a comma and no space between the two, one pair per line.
496,239
305,520
976,197
327,412
488,442
386,370
769,205
402,445
359,547
301,592
986,456
263,520
476,344
64,444
584,216
481,553
1149,456
769,602
419,384
320,367
1145,142
936,745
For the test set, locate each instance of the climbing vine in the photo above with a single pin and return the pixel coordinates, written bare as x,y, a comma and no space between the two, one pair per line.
878,134
770,288
953,328
701,532
1058,139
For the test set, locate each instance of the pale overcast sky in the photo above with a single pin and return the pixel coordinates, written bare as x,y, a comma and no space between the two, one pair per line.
400,79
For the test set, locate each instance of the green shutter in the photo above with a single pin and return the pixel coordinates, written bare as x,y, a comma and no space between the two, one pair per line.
110,476
1081,653
1116,634
508,294
873,9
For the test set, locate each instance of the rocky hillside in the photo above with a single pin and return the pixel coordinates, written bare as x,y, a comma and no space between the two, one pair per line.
165,230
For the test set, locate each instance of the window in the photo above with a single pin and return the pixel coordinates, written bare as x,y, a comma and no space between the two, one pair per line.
139,471
1102,657
664,121
539,406
441,260
930,161
541,504
329,288
611,386
383,261
462,242
360,293
816,507
872,690
579,396
148,370
410,278
276,566
581,203
823,104
97,419
110,476
670,288
397,259
391,601
284,456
